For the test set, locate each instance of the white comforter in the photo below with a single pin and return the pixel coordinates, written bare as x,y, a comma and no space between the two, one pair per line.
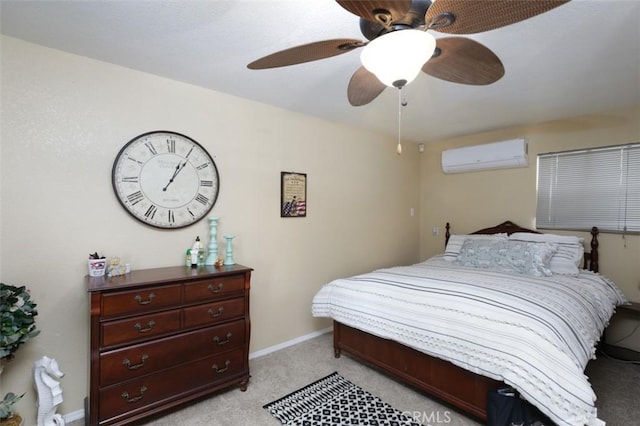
535,334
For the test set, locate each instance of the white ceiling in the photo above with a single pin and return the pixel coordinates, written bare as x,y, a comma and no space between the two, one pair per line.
582,58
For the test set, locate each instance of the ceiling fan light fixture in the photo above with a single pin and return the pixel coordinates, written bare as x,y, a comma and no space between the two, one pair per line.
396,58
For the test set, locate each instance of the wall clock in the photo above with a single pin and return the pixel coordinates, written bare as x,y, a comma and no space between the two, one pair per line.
165,179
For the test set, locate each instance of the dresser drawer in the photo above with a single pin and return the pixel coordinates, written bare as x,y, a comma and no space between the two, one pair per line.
212,313
145,358
213,288
128,398
142,300
140,327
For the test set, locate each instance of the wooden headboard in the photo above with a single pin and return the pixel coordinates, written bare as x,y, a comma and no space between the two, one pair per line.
508,227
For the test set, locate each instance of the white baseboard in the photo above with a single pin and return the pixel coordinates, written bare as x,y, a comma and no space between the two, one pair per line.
288,343
74,416
79,414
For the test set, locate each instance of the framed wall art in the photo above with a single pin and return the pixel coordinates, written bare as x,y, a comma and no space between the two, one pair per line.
293,194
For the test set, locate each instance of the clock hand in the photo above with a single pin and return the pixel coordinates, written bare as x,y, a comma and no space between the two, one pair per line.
175,173
179,168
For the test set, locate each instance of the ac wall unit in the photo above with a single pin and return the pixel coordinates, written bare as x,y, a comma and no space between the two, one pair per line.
497,155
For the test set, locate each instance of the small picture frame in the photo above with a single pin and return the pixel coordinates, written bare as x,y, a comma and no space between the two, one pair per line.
293,194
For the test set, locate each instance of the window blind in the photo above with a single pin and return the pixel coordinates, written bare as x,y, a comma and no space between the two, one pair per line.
593,187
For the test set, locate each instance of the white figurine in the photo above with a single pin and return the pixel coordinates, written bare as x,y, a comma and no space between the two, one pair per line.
47,375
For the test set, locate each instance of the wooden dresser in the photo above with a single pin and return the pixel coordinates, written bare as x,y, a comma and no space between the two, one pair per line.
162,337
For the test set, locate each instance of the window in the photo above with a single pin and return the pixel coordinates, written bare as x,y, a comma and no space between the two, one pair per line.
592,187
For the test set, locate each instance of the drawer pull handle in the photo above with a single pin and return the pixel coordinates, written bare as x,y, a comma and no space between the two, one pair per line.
221,370
223,342
150,326
216,314
215,290
127,363
146,302
125,395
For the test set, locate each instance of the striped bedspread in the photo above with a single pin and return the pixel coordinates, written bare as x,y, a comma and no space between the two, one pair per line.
536,334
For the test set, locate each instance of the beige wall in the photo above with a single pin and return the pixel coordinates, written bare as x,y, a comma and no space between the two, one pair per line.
64,119
471,201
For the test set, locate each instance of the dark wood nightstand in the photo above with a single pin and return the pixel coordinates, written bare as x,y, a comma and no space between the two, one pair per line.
631,311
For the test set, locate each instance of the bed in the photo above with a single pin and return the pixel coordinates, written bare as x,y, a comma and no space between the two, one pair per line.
456,328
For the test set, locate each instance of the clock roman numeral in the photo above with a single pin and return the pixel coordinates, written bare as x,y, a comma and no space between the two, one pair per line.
189,153
202,199
206,183
134,160
151,212
171,145
191,213
151,148
135,197
203,166
130,179
170,217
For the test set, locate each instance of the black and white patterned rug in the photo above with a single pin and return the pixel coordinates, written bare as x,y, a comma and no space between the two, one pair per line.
335,401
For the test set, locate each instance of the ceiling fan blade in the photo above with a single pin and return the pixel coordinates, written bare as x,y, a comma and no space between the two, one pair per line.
462,60
364,87
306,53
372,10
474,16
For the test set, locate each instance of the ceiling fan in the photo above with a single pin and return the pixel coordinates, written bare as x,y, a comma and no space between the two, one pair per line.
454,59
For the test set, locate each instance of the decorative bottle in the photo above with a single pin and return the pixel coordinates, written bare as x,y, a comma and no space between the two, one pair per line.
195,249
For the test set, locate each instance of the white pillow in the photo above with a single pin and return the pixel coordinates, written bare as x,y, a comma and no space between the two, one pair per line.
567,259
455,243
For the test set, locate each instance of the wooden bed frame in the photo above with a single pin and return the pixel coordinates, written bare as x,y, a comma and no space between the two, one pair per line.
451,384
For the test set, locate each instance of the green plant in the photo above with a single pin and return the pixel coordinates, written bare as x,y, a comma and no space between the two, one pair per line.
6,405
17,319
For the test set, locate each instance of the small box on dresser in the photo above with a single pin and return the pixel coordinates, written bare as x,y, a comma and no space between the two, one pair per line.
166,336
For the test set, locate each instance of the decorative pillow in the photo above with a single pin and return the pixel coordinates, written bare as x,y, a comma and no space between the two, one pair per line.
484,253
531,258
567,259
519,257
456,241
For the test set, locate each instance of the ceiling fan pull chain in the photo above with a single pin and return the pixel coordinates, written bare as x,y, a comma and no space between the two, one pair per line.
401,103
